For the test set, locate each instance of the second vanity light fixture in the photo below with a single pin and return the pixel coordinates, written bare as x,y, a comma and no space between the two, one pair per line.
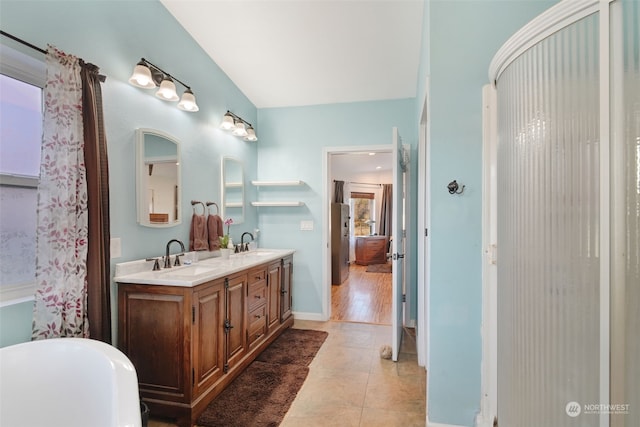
238,126
148,76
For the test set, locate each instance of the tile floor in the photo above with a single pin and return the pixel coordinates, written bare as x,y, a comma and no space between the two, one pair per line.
350,385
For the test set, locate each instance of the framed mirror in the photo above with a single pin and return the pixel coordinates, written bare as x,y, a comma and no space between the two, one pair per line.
158,183
232,189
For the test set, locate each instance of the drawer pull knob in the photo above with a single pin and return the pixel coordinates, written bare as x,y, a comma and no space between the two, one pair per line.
257,316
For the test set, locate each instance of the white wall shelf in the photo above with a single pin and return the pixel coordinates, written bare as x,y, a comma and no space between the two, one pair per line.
277,183
277,204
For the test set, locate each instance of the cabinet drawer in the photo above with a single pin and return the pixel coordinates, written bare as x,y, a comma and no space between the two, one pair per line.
257,295
257,275
257,324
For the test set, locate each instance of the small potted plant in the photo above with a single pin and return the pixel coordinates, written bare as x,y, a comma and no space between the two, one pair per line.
226,245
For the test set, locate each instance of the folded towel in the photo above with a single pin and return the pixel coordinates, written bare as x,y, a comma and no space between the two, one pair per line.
198,233
216,230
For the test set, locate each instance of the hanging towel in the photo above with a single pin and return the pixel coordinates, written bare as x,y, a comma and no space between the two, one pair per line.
198,233
216,230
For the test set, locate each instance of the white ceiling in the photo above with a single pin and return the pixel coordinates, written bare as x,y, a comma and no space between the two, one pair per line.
354,164
284,53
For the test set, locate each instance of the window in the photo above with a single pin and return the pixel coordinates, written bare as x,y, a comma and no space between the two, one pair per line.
363,213
20,139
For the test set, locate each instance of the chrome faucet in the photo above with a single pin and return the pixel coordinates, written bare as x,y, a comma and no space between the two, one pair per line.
245,246
167,258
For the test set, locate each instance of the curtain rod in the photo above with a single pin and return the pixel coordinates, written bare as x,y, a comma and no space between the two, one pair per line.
34,47
365,183
360,183
19,40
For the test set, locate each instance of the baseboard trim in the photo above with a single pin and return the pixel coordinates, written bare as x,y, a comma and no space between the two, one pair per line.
483,422
430,424
308,316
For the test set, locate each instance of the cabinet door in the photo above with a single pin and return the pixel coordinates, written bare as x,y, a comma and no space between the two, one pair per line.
235,324
157,320
286,280
274,286
208,344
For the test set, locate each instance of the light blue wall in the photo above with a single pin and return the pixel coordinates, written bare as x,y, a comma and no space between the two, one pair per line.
114,35
461,39
291,146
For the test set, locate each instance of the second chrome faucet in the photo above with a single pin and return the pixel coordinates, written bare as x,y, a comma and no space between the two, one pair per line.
243,247
167,257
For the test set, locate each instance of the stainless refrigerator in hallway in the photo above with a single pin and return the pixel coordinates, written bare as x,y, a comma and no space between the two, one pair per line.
339,242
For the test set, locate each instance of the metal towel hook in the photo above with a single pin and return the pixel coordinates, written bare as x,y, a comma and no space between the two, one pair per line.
453,188
209,208
196,202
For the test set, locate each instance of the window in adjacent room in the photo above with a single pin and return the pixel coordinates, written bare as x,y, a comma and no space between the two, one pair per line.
20,139
362,213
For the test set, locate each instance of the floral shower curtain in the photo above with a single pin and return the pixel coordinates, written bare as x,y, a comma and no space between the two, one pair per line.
61,297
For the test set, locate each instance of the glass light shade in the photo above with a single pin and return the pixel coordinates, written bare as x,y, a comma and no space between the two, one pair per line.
251,135
240,130
167,91
227,122
141,77
188,102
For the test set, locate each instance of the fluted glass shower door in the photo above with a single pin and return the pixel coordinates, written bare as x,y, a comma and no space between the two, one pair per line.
625,217
568,218
548,230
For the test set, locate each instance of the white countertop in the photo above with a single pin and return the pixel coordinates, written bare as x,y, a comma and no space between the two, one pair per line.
140,272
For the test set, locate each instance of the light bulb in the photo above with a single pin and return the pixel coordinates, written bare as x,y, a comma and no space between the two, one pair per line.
188,102
251,134
227,122
141,77
167,91
240,129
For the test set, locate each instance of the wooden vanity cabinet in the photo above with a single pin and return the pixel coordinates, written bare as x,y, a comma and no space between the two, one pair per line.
188,343
274,285
154,331
208,346
286,300
257,305
235,323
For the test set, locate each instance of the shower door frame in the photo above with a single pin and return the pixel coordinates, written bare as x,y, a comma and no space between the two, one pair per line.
551,21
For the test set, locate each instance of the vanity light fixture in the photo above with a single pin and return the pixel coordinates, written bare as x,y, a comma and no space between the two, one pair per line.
148,76
238,126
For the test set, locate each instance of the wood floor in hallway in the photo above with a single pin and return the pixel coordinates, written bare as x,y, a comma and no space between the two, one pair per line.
364,297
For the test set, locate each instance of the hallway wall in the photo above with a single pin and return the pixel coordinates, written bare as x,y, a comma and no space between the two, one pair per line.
459,41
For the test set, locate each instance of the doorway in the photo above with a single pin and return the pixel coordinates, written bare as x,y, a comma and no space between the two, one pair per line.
363,293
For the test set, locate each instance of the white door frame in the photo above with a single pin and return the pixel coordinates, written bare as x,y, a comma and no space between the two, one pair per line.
489,376
326,213
423,243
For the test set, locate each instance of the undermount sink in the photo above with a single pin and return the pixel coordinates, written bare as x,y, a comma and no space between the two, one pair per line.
189,271
257,252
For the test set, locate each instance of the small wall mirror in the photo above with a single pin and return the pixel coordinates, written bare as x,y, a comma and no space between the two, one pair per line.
232,189
158,186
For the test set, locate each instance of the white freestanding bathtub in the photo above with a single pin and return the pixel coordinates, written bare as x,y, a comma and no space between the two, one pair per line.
70,382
